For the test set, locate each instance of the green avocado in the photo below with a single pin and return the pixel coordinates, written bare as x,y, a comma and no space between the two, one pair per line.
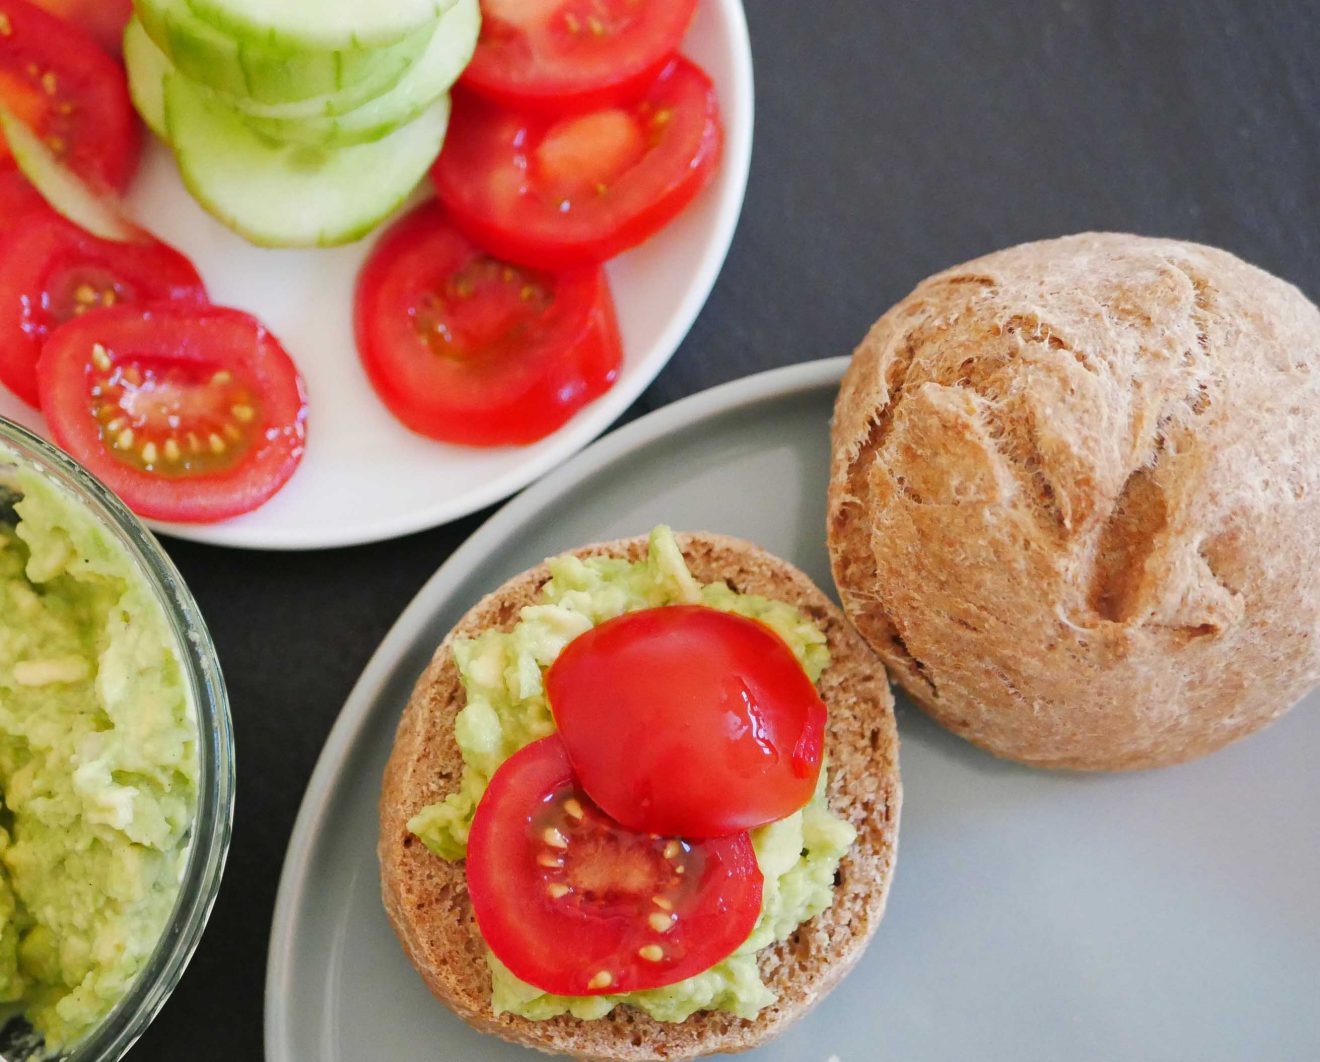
98,765
506,709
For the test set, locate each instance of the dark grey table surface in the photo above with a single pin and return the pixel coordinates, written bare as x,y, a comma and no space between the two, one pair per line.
892,139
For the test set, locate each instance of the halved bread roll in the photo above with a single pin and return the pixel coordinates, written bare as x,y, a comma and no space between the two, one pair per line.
426,897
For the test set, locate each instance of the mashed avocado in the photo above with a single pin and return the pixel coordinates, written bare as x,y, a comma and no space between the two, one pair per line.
507,709
98,765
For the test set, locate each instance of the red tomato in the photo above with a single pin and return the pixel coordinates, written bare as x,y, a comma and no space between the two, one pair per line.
56,79
188,412
103,19
468,349
576,905
722,727
556,191
51,271
573,54
18,198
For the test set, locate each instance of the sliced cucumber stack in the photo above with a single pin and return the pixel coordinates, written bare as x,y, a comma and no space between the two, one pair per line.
299,122
263,74
293,195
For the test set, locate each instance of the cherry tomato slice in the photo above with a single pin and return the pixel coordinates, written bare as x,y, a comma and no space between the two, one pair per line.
576,905
468,349
52,271
58,81
574,54
188,412
552,192
103,19
722,727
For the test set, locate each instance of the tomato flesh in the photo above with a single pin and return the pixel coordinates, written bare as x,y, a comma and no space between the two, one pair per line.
713,699
189,412
51,271
466,348
103,19
57,80
551,191
576,905
573,54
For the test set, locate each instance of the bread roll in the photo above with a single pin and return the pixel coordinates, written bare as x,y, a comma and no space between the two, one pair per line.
1075,499
426,897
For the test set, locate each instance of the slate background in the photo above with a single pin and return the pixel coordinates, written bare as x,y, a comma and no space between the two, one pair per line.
892,139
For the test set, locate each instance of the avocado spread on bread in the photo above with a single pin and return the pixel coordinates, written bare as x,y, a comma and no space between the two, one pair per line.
506,709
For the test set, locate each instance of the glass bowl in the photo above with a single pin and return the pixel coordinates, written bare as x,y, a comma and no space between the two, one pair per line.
209,840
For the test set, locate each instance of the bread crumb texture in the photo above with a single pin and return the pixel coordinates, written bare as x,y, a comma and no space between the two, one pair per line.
426,897
1075,499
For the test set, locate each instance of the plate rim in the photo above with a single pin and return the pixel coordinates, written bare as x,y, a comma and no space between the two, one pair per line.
788,381
588,424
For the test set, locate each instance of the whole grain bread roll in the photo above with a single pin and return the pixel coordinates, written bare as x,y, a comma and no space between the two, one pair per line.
426,897
1075,499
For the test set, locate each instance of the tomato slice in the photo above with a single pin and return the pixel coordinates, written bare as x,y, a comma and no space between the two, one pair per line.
711,699
576,905
103,19
574,54
556,191
52,271
57,80
188,412
468,349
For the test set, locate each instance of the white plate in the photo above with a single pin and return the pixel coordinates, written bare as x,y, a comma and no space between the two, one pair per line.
1036,916
365,477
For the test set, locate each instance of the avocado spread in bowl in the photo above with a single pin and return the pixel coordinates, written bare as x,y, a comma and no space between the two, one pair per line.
103,774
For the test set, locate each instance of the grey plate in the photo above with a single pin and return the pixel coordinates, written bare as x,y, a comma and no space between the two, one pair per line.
1167,915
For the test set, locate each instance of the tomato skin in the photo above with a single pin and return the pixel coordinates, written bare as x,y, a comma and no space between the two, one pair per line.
56,79
560,927
522,373
103,19
714,699
161,339
44,258
489,174
549,67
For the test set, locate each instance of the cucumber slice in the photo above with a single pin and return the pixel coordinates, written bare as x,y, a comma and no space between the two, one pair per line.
430,77
319,24
270,75
66,193
294,196
147,66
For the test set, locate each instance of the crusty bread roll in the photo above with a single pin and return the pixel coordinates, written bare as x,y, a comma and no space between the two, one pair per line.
426,897
1075,499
